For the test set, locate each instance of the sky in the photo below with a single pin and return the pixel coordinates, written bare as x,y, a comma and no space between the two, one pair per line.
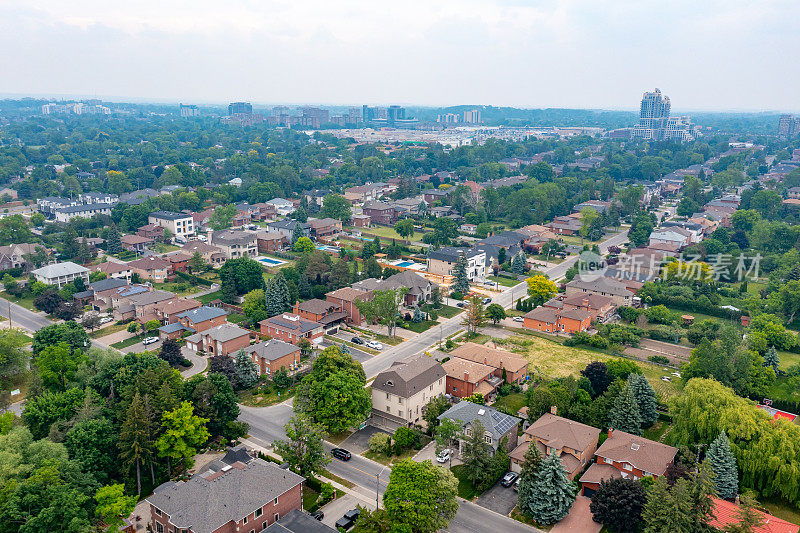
704,54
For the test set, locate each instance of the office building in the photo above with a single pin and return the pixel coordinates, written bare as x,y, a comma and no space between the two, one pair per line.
472,117
448,118
655,124
240,108
395,113
189,111
789,126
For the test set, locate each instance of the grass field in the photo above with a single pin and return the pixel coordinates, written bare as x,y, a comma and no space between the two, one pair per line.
385,232
788,359
208,297
553,360
181,288
108,330
271,397
465,488
511,403
388,460
447,311
309,497
164,248
419,327
128,342
26,302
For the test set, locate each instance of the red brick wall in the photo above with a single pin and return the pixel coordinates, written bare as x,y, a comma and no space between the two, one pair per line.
537,325
462,388
234,345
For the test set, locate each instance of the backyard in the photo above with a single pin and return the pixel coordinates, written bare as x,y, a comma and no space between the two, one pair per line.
385,233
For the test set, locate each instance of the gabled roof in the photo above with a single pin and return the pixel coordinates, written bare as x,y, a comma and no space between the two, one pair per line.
298,522
451,253
409,376
110,267
150,263
557,432
272,349
644,454
107,284
725,513
177,305
349,294
151,297
495,422
487,355
547,315
291,322
225,332
465,370
592,301
602,284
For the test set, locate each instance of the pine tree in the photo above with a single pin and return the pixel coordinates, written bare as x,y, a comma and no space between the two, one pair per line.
530,465
113,243
282,291
246,370
297,232
645,398
771,358
304,287
136,444
461,283
552,494
518,264
271,303
723,463
625,416
228,286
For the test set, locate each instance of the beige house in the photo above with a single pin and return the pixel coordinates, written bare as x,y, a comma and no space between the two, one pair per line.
235,243
400,393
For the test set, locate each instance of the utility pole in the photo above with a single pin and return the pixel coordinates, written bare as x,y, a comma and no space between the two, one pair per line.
10,322
377,487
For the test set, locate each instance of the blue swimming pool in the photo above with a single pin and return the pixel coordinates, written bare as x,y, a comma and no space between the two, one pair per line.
326,248
405,264
270,261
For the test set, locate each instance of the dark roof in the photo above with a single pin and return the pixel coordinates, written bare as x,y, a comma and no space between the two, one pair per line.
272,349
317,306
495,422
451,253
84,207
298,522
294,322
169,215
409,376
213,498
504,239
106,284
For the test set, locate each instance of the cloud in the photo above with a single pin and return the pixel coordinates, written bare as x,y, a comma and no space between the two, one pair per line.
574,53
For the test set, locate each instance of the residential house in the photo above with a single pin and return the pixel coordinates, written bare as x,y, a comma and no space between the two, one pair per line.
419,288
138,197
178,260
236,493
103,290
793,193
675,236
346,298
270,241
508,181
65,214
465,378
212,255
565,225
324,227
401,392
298,522
368,192
167,311
432,195
273,355
135,243
282,206
153,232
468,228
286,228
181,225
144,303
602,286
361,221
515,366
121,300
115,270
442,261
600,308
202,318
497,426
623,455
381,212
550,320
235,243
329,314
291,328
152,268
202,219
598,205
725,514
225,339
573,442
59,274
16,255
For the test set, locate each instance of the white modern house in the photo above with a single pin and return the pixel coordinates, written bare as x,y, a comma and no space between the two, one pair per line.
65,214
60,274
282,206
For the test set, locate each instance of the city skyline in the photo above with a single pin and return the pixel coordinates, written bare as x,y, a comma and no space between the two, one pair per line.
715,56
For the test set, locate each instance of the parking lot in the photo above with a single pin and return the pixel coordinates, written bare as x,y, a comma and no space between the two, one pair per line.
499,499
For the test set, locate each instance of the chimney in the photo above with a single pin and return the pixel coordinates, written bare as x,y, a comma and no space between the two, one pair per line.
610,431
553,409
466,376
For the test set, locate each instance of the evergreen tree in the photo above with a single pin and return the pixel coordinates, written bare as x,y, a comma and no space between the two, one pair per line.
645,398
71,245
228,286
477,455
771,358
552,494
297,232
304,287
518,264
136,444
625,415
246,370
376,245
461,283
276,295
113,242
84,255
282,291
723,463
530,465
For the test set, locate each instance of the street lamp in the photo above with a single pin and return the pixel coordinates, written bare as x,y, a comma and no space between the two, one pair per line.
377,487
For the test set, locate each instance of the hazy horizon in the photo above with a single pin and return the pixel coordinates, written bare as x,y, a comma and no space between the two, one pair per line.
571,54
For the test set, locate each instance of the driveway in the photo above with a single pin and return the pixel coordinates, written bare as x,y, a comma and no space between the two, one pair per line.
579,519
198,363
358,442
428,453
499,499
139,347
336,509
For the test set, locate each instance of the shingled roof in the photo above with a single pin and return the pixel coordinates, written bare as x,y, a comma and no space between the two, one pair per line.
407,377
644,454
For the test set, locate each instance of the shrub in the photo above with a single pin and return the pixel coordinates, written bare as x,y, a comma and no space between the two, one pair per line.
659,359
455,295
380,443
404,438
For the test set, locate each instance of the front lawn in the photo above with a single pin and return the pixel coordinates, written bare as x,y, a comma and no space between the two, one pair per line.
384,459
309,497
128,342
419,327
447,311
26,302
465,488
108,330
264,395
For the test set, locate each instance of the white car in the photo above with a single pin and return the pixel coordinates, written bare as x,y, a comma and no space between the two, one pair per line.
202,238
443,456
375,345
106,320
519,319
150,340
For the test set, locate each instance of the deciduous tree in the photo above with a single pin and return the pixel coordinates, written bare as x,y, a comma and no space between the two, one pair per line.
618,504
421,496
303,450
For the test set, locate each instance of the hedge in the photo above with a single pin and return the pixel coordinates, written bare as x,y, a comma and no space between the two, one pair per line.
193,279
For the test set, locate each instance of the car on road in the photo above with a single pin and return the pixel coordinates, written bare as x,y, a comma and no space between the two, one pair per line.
341,454
509,479
349,518
375,345
487,301
317,515
357,340
150,340
443,456
519,319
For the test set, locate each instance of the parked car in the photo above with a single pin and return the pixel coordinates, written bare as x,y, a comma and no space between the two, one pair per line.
341,454
443,456
357,340
460,304
106,320
487,301
150,340
375,345
519,319
202,238
317,515
349,518
509,479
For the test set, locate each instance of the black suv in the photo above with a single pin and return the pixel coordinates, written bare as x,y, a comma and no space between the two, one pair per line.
356,340
341,454
349,518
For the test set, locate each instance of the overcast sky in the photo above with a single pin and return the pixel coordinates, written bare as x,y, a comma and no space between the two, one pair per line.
704,54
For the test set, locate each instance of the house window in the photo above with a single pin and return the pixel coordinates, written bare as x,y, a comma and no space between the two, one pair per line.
159,528
468,432
245,520
158,511
400,412
277,516
258,512
387,395
275,502
388,409
626,466
487,439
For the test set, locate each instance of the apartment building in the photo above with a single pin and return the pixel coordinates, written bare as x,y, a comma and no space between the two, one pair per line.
181,225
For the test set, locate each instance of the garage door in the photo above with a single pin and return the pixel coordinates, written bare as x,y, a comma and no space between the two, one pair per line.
588,492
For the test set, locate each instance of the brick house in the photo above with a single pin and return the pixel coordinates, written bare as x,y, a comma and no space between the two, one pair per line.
153,232
152,268
291,328
135,243
179,261
324,227
115,270
573,442
600,308
346,298
465,378
103,290
225,339
144,304
361,221
168,310
381,213
516,367
235,243
236,493
550,320
202,318
329,314
272,355
496,425
206,251
270,241
623,455
604,286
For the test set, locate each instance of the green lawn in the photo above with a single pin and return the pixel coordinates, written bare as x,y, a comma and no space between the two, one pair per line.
511,403
446,311
337,479
26,302
236,318
385,233
164,248
128,342
208,297
781,509
419,327
309,497
384,459
788,359
264,396
656,430
465,488
180,288
108,330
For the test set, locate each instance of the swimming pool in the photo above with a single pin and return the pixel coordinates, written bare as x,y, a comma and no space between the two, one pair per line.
404,264
326,248
270,261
